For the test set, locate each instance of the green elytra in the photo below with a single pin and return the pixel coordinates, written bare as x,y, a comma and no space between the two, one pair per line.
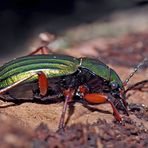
52,66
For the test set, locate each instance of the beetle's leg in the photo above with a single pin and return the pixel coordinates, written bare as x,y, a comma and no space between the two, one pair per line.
16,83
98,98
43,83
101,98
42,80
68,97
41,50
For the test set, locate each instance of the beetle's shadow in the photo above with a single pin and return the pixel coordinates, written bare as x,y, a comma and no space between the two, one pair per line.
71,108
16,102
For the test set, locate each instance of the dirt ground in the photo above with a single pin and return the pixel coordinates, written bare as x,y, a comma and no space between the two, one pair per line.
85,127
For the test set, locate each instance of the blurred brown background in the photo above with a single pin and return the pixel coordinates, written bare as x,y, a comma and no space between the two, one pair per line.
22,21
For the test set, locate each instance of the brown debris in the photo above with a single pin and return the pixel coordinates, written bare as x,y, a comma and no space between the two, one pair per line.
100,134
103,134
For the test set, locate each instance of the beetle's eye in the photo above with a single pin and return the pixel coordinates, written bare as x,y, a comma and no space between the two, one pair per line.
113,85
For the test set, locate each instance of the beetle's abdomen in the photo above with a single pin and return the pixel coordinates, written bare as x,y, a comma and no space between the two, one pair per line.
51,65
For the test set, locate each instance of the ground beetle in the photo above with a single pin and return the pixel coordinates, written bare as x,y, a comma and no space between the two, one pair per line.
53,76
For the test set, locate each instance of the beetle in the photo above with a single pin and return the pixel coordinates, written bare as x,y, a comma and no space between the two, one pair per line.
53,76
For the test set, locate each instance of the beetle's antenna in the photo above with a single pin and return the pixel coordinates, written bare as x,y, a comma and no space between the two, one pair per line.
135,70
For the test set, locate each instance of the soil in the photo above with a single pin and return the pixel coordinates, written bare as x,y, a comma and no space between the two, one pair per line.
35,125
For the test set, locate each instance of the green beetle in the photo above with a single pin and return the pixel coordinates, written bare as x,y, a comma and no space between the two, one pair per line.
54,76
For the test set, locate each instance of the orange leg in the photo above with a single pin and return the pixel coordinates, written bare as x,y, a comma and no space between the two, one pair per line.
41,50
3,90
83,89
101,98
43,83
68,97
42,80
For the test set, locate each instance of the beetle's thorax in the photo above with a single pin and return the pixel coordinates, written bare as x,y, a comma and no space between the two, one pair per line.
93,82
101,70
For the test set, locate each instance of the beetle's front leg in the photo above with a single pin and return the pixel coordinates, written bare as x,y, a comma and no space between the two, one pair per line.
69,93
101,98
95,98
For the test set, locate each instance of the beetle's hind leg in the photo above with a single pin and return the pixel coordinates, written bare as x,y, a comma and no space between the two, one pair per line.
16,83
41,50
69,93
42,80
43,83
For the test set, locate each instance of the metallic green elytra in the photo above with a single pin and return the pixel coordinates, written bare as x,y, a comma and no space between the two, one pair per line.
52,66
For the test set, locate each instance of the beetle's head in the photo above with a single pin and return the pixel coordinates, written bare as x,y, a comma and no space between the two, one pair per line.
117,91
115,83
119,98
